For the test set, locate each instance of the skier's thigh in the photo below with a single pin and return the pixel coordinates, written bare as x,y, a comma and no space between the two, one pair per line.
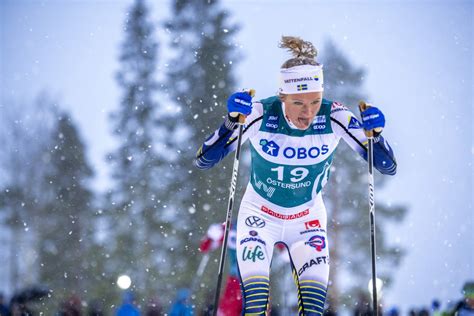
254,244
310,258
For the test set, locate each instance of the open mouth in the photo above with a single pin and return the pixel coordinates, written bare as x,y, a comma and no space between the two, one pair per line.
303,121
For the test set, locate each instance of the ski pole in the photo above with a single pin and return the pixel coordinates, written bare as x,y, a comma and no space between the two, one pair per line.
230,206
370,159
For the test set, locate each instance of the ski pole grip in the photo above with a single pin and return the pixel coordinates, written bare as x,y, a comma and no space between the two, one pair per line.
362,107
251,92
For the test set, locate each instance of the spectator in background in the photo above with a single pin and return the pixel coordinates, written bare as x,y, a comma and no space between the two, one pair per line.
424,312
95,308
181,306
393,311
71,307
128,308
3,308
436,308
154,307
466,306
363,307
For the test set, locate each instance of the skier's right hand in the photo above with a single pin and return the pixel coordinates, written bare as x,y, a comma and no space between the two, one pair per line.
239,103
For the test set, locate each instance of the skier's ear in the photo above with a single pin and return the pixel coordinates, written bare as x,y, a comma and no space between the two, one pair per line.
282,97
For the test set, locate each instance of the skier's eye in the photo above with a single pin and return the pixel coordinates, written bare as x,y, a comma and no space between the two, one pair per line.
297,103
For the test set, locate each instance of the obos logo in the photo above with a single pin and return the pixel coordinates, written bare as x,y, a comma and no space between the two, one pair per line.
270,147
302,153
318,242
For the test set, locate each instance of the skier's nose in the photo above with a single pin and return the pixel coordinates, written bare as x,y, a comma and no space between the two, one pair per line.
305,109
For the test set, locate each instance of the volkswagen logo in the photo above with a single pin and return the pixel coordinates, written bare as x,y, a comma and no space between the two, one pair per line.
254,221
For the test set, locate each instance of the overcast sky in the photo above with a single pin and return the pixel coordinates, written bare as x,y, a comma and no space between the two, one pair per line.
420,73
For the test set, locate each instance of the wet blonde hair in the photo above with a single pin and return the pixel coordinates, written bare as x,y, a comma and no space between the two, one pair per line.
304,53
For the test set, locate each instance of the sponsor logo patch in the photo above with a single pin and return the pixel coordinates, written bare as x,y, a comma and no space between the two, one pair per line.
284,216
313,262
319,119
317,242
253,233
252,253
314,230
301,79
272,122
273,149
319,122
247,239
354,123
254,221
270,147
312,224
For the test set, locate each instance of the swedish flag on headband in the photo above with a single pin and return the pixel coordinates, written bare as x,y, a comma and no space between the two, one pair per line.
302,87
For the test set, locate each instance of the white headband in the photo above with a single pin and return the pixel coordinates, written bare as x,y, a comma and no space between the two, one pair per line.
301,79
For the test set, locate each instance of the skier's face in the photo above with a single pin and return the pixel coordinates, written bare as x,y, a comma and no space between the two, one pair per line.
301,108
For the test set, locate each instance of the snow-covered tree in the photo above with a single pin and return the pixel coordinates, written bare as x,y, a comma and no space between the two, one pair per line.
200,80
141,206
45,198
63,233
25,132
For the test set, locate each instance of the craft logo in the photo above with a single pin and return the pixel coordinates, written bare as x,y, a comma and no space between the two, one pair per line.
251,253
312,224
254,221
354,123
302,87
318,242
270,147
313,262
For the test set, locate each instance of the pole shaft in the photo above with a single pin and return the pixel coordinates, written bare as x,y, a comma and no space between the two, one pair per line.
370,160
230,208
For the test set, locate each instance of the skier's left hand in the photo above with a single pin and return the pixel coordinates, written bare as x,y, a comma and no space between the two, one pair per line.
373,119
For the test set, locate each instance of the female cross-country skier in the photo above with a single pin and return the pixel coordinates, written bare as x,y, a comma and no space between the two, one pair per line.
293,137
